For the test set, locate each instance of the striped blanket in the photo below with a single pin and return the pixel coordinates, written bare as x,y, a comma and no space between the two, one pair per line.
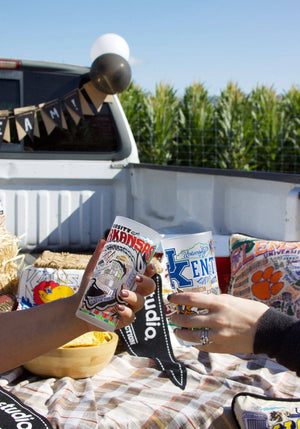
132,393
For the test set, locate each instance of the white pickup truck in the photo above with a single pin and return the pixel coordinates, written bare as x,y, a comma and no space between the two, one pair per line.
63,196
61,192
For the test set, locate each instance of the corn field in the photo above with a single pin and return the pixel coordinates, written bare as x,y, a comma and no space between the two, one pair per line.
259,131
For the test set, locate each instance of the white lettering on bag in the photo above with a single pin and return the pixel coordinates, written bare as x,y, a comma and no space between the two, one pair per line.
152,319
22,419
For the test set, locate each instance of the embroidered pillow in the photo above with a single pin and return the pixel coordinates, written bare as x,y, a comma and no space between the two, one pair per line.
267,271
260,412
41,285
52,276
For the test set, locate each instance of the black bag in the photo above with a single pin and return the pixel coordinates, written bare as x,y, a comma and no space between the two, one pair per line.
16,415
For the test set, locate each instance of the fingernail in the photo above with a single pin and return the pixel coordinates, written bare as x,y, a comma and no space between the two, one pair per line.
169,297
121,307
124,293
139,278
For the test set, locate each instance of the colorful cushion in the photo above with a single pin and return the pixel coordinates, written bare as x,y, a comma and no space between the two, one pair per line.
267,271
260,412
41,285
52,276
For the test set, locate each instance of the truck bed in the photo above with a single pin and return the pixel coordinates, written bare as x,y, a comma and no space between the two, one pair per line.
54,205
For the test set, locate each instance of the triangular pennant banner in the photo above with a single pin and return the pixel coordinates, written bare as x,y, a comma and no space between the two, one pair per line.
148,336
25,121
73,105
97,97
4,126
55,114
86,110
79,102
49,124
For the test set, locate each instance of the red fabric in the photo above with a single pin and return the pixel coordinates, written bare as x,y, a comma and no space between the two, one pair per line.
223,269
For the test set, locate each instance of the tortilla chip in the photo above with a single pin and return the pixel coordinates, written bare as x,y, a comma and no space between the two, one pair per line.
93,338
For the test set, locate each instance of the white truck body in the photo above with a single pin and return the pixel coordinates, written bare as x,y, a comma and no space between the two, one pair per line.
68,205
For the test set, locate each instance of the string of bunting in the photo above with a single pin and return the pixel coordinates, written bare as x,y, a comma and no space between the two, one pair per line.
52,114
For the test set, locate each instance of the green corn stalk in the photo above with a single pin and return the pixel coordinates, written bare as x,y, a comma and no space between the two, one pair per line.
196,127
290,133
163,110
258,131
267,126
232,146
153,119
134,101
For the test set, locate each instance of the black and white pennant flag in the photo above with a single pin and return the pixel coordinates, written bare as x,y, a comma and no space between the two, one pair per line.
73,105
53,116
4,126
25,122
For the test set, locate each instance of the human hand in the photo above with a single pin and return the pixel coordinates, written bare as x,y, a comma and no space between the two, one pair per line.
134,300
232,321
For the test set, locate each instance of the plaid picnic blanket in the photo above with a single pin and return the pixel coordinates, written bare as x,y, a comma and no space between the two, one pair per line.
132,393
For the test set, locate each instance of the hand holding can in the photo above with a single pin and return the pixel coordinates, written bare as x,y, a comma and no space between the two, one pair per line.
191,265
128,250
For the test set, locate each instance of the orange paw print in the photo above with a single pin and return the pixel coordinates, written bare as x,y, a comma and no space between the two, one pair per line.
266,283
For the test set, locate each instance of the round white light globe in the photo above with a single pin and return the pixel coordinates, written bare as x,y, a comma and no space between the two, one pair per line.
110,43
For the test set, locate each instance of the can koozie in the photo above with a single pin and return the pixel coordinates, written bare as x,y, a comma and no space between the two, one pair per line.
191,265
128,250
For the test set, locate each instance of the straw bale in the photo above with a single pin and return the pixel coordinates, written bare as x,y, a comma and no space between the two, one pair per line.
157,264
62,260
74,261
10,262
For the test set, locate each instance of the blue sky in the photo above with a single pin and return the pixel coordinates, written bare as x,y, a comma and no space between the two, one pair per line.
253,42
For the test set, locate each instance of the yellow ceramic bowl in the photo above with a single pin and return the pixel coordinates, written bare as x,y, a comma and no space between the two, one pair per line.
75,362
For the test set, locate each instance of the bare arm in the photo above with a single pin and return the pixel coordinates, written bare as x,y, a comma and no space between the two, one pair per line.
28,333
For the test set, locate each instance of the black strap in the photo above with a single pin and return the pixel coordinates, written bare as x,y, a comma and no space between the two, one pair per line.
148,336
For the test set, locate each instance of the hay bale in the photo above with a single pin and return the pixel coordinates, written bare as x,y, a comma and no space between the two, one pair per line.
9,262
62,260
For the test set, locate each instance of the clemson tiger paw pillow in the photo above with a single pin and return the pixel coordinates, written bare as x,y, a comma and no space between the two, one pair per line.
267,271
